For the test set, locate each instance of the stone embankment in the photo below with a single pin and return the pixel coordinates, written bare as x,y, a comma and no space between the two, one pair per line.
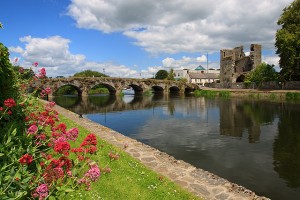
202,183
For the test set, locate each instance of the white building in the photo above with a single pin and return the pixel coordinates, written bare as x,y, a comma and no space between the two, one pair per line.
198,76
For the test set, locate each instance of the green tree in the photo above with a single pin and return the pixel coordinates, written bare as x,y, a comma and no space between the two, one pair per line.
161,74
288,41
262,73
89,73
171,75
8,78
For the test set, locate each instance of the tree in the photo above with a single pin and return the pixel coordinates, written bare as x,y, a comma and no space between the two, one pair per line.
161,74
171,75
89,73
262,73
288,41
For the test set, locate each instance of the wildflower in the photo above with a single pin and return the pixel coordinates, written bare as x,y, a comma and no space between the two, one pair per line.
89,140
1,108
41,191
91,149
9,112
35,64
94,173
42,73
62,147
26,159
9,103
47,90
113,156
21,70
32,129
72,134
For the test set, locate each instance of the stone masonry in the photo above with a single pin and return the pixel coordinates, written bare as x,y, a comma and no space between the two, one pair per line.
235,64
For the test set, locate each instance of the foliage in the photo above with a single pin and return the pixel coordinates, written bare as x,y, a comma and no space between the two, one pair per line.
99,89
161,74
224,94
288,41
8,79
205,93
65,90
171,75
38,158
262,73
292,96
89,73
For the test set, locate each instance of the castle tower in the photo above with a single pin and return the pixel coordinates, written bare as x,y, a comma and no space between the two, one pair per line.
255,55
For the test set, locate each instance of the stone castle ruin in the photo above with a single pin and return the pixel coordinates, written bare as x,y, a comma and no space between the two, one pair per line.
235,64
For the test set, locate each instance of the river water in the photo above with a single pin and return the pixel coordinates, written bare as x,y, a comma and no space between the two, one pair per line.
253,143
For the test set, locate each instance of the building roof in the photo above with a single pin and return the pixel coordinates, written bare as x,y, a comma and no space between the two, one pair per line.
200,68
194,75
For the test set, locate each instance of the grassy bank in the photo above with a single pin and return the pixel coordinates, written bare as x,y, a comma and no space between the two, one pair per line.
129,179
252,94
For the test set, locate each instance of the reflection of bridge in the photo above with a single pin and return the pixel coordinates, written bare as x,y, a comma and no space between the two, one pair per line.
107,103
115,85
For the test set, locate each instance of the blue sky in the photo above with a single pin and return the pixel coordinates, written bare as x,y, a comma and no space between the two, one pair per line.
134,38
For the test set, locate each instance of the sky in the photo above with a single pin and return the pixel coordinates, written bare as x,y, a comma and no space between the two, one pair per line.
135,38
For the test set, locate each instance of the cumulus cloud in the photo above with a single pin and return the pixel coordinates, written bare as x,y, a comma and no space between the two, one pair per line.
173,26
184,63
53,53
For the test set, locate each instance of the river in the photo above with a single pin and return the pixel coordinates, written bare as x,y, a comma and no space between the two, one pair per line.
253,143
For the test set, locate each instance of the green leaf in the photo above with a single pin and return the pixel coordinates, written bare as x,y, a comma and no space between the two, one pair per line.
69,190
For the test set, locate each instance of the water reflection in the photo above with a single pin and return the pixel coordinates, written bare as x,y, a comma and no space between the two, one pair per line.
253,143
286,148
240,117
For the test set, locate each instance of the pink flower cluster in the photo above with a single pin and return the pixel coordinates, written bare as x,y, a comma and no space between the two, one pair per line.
41,191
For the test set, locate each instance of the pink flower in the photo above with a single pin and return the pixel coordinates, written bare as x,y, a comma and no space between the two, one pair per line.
32,129
9,102
42,73
47,90
41,191
35,64
94,173
72,134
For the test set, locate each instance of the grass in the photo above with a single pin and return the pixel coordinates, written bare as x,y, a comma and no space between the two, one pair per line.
210,93
292,96
129,179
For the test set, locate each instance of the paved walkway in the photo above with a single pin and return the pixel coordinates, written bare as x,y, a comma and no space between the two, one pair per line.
202,183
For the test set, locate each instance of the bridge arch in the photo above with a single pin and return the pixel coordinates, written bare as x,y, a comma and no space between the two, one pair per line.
111,89
174,89
137,89
158,89
78,90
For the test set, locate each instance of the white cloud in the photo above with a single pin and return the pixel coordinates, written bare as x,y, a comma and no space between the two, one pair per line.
173,26
184,63
53,53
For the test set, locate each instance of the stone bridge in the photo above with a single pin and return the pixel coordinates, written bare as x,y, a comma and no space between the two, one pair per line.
116,85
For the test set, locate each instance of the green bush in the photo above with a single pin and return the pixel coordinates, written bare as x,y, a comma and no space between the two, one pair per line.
8,87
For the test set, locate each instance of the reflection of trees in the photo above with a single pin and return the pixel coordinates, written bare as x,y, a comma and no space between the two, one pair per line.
67,101
286,148
236,116
104,100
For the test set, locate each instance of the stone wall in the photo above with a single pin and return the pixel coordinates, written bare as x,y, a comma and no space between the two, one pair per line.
234,62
